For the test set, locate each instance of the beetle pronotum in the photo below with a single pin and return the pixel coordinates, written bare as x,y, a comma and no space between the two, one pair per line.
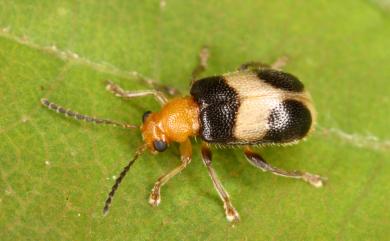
255,105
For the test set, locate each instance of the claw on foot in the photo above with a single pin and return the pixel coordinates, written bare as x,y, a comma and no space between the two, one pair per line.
109,85
154,198
232,214
315,180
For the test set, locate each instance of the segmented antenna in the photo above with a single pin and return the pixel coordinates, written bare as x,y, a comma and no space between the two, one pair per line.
78,116
118,181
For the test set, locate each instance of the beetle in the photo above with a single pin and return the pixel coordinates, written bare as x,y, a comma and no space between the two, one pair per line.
256,105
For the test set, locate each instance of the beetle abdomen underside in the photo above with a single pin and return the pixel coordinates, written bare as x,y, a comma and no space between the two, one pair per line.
253,107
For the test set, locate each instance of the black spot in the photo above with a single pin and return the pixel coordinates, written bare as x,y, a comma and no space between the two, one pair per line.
289,121
281,80
218,104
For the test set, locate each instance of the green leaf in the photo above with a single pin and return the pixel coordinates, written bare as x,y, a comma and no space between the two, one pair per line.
56,172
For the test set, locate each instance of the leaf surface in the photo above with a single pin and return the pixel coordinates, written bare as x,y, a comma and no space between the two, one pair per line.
56,172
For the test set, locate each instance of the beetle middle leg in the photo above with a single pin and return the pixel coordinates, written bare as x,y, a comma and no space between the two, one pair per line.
202,64
231,213
186,155
118,91
257,161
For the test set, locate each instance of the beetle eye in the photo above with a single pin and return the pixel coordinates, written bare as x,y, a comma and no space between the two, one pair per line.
160,146
145,115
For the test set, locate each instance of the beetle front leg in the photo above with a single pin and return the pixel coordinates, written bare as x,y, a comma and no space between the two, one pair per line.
231,213
186,155
118,91
257,161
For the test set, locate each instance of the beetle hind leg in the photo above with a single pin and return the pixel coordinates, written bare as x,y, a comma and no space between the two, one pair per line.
280,63
255,65
204,55
186,155
231,213
257,161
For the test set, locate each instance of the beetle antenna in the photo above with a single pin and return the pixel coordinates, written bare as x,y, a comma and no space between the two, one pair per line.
78,116
122,175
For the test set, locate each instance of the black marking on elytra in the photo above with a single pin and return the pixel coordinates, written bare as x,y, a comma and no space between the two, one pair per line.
218,104
289,121
280,80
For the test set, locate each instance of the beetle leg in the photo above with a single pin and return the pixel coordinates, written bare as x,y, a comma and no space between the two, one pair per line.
280,63
257,161
202,65
168,90
231,213
118,91
253,65
186,155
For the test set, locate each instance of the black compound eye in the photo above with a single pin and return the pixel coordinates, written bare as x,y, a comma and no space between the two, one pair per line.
145,115
160,146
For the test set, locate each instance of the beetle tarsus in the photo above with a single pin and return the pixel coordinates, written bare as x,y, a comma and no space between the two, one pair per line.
313,179
231,213
155,197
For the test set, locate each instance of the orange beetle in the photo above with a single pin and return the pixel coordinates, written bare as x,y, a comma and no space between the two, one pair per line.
256,105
